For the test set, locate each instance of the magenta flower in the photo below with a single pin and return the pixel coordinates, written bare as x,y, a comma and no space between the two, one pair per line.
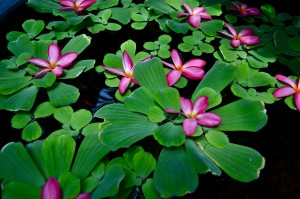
83,196
57,62
245,36
194,15
51,189
77,5
127,73
244,10
196,114
191,69
291,89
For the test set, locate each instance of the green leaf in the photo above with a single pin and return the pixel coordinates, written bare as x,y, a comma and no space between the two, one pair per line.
156,114
9,85
20,120
168,98
33,27
77,44
242,115
64,114
218,77
123,15
43,110
169,135
81,118
239,162
77,69
268,10
143,163
202,163
21,100
27,191
45,82
70,184
109,185
90,152
159,6
149,190
141,100
43,6
61,94
113,26
14,154
58,153
21,45
174,175
228,54
216,138
177,26
211,27
155,78
214,98
294,42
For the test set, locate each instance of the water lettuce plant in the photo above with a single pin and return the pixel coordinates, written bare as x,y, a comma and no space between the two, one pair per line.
163,124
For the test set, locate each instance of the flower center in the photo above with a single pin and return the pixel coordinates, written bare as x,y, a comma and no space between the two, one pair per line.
128,74
52,65
192,115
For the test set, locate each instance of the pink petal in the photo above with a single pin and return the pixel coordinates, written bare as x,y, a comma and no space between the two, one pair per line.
124,83
51,189
243,6
194,62
283,92
168,64
39,62
236,5
199,10
83,196
209,119
173,76
114,70
194,73
57,71
254,11
42,72
171,111
87,3
200,105
297,100
189,126
205,15
134,81
235,43
66,8
176,58
79,2
287,80
195,20
69,3
53,53
250,40
186,105
245,32
232,30
67,59
187,7
127,61
183,15
226,34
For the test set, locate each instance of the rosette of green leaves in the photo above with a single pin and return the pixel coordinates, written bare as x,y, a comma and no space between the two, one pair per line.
18,91
77,170
160,48
183,158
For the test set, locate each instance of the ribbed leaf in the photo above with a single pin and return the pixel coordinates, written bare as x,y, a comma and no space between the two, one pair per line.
242,115
199,159
216,138
174,175
143,163
20,120
27,191
58,154
240,162
33,27
43,110
19,166
211,27
155,78
168,98
169,135
10,85
70,184
81,118
90,152
77,44
64,114
149,190
61,94
214,98
32,131
43,6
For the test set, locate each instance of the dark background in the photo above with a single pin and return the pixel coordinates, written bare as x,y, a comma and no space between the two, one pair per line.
277,141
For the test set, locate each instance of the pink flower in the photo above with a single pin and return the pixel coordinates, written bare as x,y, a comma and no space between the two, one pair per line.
77,5
83,196
127,73
245,36
51,189
194,15
244,10
191,69
291,89
56,63
196,115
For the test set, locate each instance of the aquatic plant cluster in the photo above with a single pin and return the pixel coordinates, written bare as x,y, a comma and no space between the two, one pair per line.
174,100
